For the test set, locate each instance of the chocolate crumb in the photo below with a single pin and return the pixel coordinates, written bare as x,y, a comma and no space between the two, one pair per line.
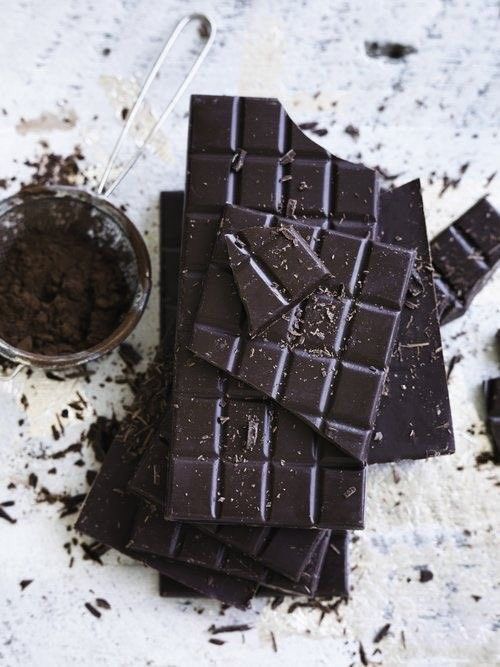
6,516
129,355
456,358
74,448
238,160
291,205
94,551
95,612
352,131
288,157
362,655
391,50
320,131
216,642
24,583
425,576
101,434
239,627
277,601
484,457
310,125
384,630
102,603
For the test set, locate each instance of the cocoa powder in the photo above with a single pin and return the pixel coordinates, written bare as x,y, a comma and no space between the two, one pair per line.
59,292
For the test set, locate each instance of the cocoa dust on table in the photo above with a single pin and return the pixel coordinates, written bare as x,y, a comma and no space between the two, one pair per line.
60,293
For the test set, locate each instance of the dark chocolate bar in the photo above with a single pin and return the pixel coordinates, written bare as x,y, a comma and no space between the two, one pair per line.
185,543
273,269
311,487
285,550
492,394
327,360
464,255
414,419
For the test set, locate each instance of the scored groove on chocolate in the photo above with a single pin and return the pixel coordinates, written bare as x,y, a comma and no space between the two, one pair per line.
326,360
464,256
218,127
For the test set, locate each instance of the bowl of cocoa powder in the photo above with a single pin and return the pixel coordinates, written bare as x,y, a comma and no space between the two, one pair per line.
75,277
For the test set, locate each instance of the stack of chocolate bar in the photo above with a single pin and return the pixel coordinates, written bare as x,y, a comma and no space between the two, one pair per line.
307,346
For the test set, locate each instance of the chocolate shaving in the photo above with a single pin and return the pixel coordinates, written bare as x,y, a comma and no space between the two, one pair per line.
6,516
456,358
238,160
102,603
381,633
288,157
239,627
291,205
129,355
95,612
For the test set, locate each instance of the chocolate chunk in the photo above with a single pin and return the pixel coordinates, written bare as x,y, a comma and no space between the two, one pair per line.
326,362
206,471
492,393
465,255
274,269
414,419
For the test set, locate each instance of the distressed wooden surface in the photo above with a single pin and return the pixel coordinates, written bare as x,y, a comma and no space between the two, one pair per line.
426,115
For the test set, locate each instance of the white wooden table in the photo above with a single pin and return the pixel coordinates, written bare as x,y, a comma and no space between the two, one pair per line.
423,116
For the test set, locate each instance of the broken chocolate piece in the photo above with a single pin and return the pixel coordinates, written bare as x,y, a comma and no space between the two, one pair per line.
465,255
273,268
327,360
